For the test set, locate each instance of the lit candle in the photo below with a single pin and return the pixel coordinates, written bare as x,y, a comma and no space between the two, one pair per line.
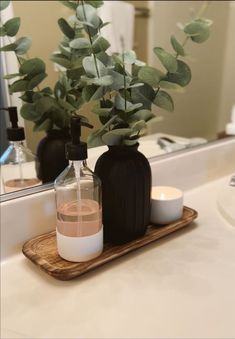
166,204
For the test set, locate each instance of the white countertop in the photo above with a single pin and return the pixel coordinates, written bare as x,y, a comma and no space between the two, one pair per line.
181,286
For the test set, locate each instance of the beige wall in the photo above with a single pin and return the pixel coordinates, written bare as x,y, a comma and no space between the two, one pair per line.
197,110
141,31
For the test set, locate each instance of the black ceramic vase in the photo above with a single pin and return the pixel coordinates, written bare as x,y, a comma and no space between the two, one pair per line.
126,187
50,159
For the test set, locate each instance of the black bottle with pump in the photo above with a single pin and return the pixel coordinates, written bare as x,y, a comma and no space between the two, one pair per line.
17,162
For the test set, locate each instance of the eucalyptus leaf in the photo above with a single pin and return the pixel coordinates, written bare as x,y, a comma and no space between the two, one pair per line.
104,24
86,23
66,28
138,126
95,139
129,142
198,31
47,91
177,46
72,101
140,63
59,90
116,136
27,96
12,26
95,3
164,101
182,76
2,31
60,117
70,4
36,96
92,92
105,59
88,13
61,60
100,45
23,45
150,75
167,59
75,74
129,57
19,86
90,63
118,80
44,104
32,67
143,114
36,80
4,4
102,111
106,80
66,105
8,48
80,43
117,58
171,86
137,84
122,104
144,94
66,51
44,126
133,107
11,76
28,112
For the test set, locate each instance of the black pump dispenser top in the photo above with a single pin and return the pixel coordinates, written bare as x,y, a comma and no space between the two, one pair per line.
14,133
76,150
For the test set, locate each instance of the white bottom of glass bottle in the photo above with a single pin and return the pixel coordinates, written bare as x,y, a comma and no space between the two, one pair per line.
80,249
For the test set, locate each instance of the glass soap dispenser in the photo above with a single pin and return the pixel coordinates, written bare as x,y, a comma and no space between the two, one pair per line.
17,162
79,227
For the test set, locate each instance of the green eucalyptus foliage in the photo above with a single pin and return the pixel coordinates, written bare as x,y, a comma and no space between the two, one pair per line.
121,87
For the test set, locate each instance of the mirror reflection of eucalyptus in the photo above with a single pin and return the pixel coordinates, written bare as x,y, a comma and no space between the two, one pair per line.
202,112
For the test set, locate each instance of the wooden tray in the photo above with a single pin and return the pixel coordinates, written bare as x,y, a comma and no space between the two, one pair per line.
42,250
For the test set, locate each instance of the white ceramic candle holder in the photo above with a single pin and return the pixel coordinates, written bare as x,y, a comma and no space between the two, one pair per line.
166,205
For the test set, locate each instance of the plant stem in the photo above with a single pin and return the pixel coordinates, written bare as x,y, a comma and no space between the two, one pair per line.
124,73
92,49
90,38
202,9
108,123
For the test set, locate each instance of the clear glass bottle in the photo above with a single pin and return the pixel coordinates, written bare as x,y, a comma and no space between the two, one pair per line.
17,162
78,202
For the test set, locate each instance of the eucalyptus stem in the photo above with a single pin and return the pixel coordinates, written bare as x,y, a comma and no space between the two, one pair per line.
92,49
90,38
202,9
124,78
109,122
124,71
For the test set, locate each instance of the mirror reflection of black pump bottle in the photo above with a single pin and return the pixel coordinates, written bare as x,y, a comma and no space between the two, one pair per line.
17,162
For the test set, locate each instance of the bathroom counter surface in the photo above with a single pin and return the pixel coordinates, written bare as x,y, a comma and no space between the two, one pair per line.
181,286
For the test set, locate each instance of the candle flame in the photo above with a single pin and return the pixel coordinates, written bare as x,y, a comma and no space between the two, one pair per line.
162,196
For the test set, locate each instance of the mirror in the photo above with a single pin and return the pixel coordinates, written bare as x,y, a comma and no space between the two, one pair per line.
201,113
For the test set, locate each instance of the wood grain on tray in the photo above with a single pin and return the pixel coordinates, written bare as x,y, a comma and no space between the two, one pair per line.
42,249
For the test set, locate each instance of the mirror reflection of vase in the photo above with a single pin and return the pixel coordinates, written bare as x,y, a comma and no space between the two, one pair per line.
51,160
